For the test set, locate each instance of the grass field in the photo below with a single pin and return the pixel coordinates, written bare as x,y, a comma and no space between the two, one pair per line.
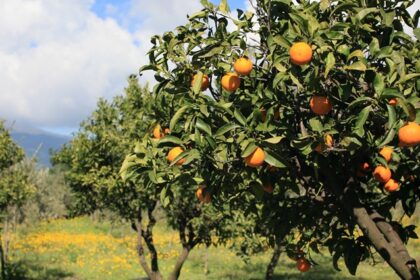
84,249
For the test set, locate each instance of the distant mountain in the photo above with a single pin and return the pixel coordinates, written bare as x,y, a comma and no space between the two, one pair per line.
44,141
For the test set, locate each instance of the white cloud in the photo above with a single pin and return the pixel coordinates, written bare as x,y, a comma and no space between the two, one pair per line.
58,57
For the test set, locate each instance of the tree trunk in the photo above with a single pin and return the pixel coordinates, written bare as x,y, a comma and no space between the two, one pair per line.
395,240
351,203
273,262
179,263
140,249
2,261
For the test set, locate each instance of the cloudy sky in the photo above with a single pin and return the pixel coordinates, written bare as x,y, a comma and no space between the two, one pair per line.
58,57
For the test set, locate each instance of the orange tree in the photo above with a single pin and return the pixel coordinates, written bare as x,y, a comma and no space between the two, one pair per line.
331,83
14,184
92,162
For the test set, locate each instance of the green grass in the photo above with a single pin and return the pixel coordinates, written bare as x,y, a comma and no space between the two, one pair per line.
84,249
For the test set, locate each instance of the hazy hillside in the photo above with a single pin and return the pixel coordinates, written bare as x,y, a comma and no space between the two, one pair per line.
43,141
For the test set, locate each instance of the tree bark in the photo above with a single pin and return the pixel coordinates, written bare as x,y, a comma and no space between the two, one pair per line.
148,238
273,262
349,200
140,248
179,263
395,240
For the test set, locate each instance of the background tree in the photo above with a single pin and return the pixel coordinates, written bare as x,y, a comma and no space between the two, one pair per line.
92,162
331,84
14,185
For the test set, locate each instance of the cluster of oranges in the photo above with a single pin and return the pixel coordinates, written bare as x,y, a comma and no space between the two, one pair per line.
383,174
409,135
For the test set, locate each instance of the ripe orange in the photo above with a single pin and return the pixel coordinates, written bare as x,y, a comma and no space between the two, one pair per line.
256,158
382,174
386,153
173,153
202,195
231,82
393,102
300,53
303,265
391,185
320,105
409,134
166,131
243,66
205,83
157,132
268,188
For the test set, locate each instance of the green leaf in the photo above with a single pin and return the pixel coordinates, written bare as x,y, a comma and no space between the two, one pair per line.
177,116
379,83
170,139
408,77
357,66
239,117
200,14
295,81
223,7
330,62
250,148
364,12
283,42
274,140
274,159
416,32
203,126
225,128
316,125
361,120
356,53
360,100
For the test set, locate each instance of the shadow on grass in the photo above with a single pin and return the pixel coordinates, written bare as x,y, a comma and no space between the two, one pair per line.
25,270
289,272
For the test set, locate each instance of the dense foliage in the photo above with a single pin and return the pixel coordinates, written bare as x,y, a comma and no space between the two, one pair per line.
319,124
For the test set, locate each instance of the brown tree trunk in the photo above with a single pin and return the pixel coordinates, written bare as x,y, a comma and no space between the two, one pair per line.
395,240
351,203
273,262
140,249
179,263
